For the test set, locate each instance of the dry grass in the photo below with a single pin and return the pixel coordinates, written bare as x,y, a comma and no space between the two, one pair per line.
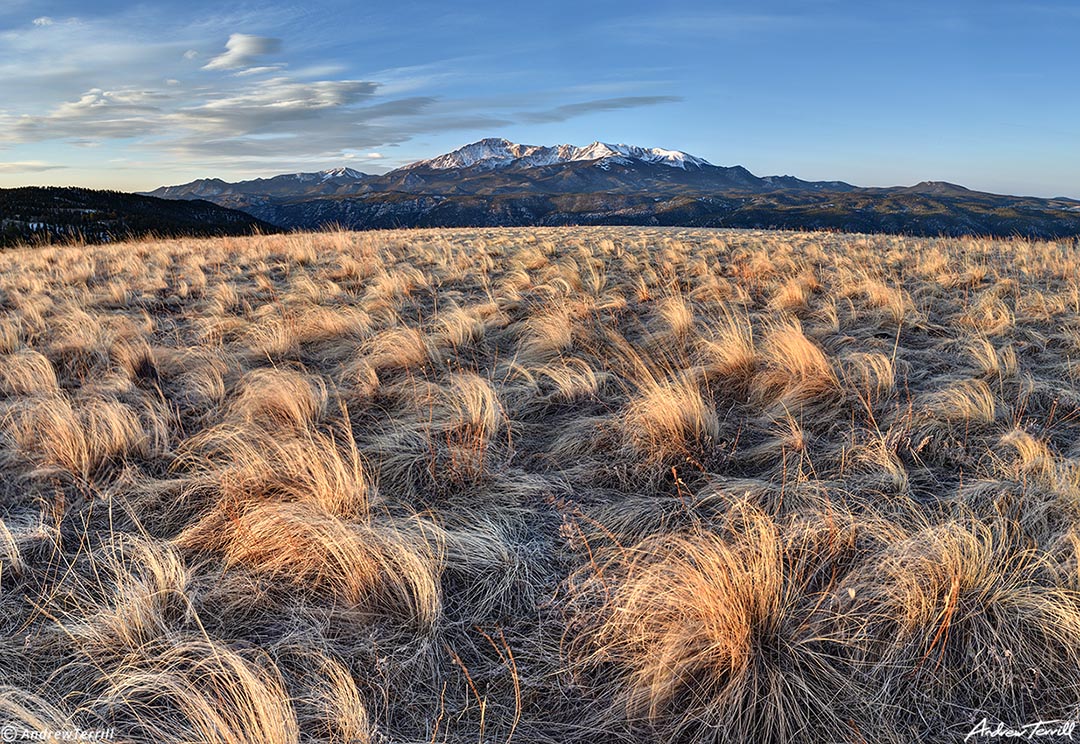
543,485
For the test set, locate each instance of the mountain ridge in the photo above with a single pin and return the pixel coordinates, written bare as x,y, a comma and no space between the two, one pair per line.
498,152
474,168
50,214
495,181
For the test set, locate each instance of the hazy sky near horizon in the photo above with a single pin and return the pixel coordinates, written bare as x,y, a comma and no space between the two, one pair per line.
125,95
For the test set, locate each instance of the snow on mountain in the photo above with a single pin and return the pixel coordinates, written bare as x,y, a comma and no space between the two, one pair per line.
341,173
494,153
325,175
322,175
487,153
213,187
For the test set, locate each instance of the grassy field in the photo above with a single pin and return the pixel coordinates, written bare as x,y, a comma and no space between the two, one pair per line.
540,485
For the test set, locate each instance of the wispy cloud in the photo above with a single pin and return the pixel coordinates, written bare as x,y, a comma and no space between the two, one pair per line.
96,114
570,110
261,70
275,106
243,50
43,21
28,166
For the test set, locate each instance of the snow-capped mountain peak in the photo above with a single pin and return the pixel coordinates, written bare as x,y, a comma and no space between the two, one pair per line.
325,175
491,153
341,173
487,153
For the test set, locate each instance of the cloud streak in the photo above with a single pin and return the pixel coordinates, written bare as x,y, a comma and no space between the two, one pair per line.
571,110
28,166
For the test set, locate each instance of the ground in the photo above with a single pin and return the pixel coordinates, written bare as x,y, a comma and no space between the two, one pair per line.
540,485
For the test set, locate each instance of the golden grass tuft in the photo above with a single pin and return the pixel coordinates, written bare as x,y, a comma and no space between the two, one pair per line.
670,419
323,468
548,333
139,596
328,701
56,436
279,399
715,636
677,315
396,349
796,368
27,372
387,570
728,348
203,691
963,613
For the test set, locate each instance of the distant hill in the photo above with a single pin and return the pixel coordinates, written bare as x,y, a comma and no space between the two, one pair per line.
497,182
336,181
53,214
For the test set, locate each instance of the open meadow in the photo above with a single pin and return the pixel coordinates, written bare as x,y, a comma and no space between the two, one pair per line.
540,485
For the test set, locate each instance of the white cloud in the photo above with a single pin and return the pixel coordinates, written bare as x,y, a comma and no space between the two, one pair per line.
570,110
275,98
263,70
190,54
28,166
374,156
242,50
43,21
97,114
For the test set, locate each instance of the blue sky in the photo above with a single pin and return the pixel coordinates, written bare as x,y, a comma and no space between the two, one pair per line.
125,95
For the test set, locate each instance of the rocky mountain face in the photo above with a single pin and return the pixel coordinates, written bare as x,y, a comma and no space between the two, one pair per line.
498,182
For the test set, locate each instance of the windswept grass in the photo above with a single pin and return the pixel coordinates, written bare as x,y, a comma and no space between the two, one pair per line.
540,485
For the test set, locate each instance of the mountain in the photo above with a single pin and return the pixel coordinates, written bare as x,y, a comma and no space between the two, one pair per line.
790,182
846,212
938,188
499,182
491,153
49,214
492,166
246,193
498,167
